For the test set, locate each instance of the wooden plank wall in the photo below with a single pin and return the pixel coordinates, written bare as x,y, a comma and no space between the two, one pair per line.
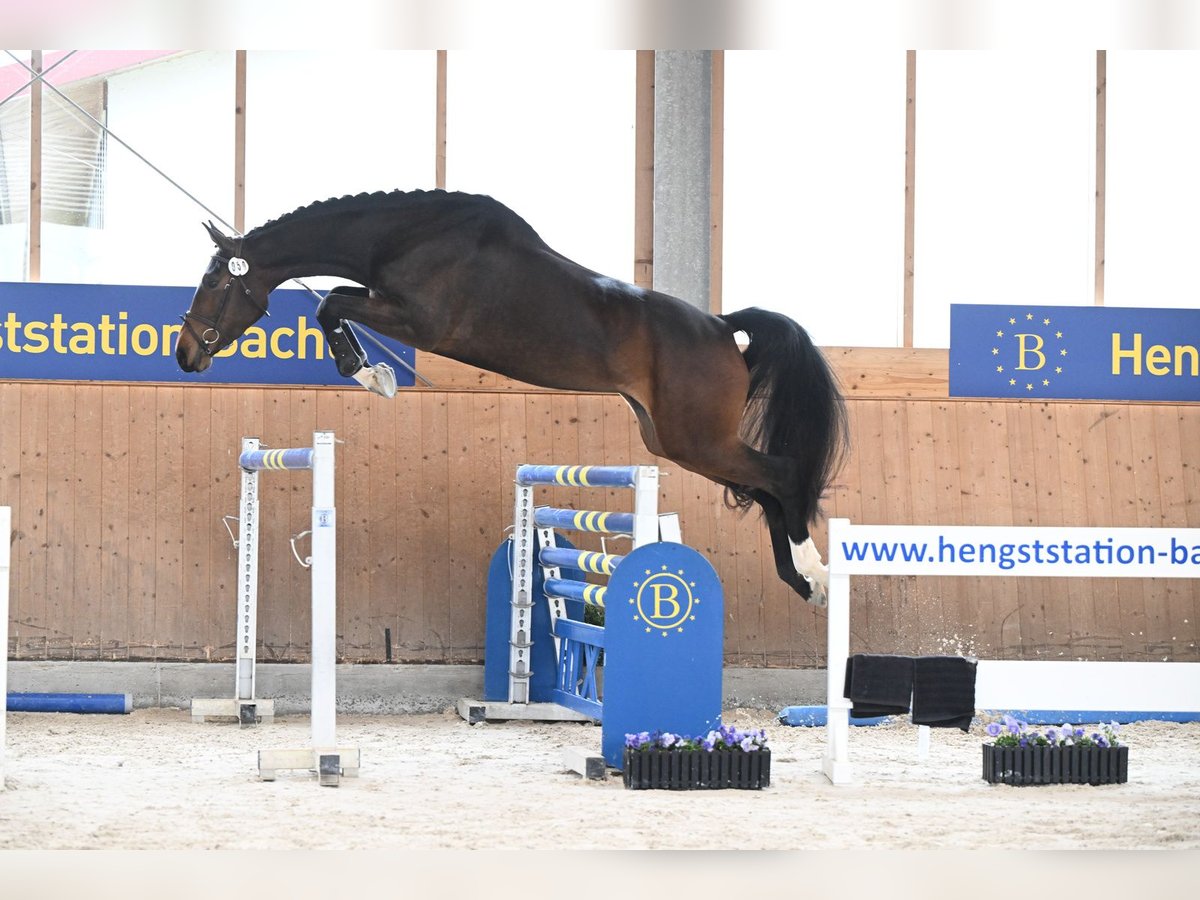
119,551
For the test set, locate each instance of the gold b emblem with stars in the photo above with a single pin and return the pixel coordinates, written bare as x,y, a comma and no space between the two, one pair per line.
665,601
1028,353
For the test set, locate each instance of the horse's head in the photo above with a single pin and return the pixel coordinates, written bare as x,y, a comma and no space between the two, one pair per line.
231,297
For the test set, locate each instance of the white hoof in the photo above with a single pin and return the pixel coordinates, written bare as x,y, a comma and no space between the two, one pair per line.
819,596
378,379
807,561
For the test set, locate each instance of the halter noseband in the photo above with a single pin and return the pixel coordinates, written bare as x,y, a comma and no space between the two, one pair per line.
237,267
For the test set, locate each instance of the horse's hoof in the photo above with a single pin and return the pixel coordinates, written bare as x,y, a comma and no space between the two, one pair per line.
818,597
378,379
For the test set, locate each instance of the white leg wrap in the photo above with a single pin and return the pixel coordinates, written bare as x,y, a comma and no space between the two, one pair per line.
807,560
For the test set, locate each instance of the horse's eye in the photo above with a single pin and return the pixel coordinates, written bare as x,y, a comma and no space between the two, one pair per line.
212,276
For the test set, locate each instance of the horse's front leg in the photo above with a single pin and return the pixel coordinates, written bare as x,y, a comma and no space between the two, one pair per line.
348,354
347,351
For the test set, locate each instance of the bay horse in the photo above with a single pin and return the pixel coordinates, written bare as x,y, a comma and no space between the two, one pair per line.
465,277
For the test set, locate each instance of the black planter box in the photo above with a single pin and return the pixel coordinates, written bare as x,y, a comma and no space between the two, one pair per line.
686,770
1055,765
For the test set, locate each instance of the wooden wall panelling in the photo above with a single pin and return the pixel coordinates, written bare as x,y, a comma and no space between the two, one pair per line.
481,529
1030,593
1071,425
1105,636
119,551
1048,444
744,620
28,576
10,493
197,628
1189,440
143,516
947,494
1177,594
83,601
459,511
348,415
876,618
903,615
986,604
1123,485
1152,504
927,594
374,609
778,611
219,603
407,590
437,523
169,635
60,522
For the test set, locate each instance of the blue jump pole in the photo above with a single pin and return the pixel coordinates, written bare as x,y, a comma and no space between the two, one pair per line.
74,703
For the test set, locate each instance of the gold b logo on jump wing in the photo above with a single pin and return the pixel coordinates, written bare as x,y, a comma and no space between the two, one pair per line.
664,601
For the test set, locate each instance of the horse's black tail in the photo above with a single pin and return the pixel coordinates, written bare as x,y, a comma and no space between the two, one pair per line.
794,407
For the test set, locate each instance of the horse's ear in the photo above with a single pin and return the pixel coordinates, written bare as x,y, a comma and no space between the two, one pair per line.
223,241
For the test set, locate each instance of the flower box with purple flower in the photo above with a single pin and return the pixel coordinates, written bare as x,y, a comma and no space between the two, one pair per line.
724,758
1066,755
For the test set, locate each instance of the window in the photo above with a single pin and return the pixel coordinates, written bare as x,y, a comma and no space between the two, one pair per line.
1152,197
814,191
1005,182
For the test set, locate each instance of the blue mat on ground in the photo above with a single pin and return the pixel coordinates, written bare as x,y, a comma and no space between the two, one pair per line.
815,716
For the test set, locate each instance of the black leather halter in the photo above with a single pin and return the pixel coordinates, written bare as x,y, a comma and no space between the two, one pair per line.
211,335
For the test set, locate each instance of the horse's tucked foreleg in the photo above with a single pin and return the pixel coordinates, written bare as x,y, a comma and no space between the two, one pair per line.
348,354
347,351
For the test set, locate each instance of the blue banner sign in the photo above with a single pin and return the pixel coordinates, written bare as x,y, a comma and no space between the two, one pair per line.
104,332
1074,352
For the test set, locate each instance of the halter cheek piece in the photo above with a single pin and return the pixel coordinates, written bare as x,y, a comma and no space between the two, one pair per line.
237,267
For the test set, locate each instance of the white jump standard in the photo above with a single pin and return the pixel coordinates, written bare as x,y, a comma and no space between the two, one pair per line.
244,706
324,757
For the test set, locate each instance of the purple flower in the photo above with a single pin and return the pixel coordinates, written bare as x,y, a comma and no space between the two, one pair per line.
994,728
635,741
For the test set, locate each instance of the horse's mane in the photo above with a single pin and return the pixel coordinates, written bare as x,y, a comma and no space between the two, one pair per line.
352,203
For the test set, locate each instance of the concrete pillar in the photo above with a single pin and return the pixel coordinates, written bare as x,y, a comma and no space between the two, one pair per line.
682,173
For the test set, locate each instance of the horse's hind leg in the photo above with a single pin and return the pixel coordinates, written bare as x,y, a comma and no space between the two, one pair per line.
797,565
